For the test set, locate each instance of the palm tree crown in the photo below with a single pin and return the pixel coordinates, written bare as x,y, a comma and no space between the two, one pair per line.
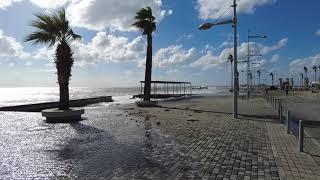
145,21
51,29
314,68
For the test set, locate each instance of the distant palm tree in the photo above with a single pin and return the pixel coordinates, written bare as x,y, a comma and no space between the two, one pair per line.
54,29
319,68
306,71
301,78
315,72
230,59
280,81
259,74
145,22
271,74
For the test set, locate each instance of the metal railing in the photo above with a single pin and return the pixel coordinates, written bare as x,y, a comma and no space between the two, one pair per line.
293,125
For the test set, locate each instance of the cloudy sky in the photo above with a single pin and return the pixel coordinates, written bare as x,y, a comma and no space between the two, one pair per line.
112,53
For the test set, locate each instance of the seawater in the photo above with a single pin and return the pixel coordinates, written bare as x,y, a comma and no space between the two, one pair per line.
28,95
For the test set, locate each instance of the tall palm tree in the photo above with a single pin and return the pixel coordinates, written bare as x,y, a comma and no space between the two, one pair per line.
54,29
271,74
306,71
230,59
259,75
145,22
315,72
301,74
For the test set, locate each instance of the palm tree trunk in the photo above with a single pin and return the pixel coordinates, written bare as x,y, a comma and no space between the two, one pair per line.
64,62
148,70
64,96
231,77
315,76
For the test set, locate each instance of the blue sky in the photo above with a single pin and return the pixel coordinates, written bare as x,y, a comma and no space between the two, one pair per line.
111,53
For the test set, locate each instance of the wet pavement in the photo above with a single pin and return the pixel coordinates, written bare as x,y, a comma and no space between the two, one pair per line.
172,142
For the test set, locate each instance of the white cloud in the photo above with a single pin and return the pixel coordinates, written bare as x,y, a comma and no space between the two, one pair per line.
49,3
6,3
174,55
209,60
275,58
212,9
114,14
10,48
317,33
108,48
103,47
296,66
100,14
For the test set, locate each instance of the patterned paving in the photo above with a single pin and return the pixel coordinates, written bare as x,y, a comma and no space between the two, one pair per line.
133,143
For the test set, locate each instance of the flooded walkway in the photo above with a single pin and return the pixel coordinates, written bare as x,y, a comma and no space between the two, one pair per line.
195,138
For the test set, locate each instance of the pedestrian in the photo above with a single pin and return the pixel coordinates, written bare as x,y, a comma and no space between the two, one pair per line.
287,89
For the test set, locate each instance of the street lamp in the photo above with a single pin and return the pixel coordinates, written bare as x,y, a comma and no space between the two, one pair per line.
234,22
249,55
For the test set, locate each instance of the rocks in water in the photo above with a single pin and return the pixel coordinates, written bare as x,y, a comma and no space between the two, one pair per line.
167,110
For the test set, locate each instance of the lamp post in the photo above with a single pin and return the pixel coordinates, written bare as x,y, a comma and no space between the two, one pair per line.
234,22
248,60
254,75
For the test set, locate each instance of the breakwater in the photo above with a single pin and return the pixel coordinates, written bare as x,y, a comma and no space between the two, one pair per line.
49,105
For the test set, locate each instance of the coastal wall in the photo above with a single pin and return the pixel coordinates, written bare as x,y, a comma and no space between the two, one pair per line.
49,105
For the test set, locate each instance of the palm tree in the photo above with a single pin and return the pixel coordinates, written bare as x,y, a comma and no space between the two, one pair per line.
280,81
259,74
306,71
145,22
301,78
315,72
319,68
271,74
230,59
54,29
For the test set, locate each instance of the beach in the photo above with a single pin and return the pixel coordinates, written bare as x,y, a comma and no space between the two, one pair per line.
183,138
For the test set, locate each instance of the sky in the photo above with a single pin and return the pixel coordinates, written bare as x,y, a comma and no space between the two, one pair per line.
111,53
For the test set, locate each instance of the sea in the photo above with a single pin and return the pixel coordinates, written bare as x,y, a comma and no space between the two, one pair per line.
30,95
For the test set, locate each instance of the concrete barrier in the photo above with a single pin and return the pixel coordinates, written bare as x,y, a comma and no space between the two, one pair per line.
50,105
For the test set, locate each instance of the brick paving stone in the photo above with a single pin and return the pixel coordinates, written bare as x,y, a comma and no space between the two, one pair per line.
215,147
291,163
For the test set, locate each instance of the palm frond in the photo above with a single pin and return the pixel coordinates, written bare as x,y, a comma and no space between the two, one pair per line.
41,37
145,21
51,28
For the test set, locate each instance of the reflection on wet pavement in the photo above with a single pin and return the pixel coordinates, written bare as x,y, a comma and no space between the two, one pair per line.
108,143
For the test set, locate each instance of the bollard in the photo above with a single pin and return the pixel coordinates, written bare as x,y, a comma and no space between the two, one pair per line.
280,114
287,122
301,135
273,100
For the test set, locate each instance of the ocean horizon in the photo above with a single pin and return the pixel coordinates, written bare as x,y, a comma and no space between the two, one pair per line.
11,96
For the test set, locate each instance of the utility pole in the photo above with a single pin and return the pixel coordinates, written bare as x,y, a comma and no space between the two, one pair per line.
234,23
235,69
248,66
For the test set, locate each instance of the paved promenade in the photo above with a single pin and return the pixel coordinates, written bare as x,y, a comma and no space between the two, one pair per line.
190,139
